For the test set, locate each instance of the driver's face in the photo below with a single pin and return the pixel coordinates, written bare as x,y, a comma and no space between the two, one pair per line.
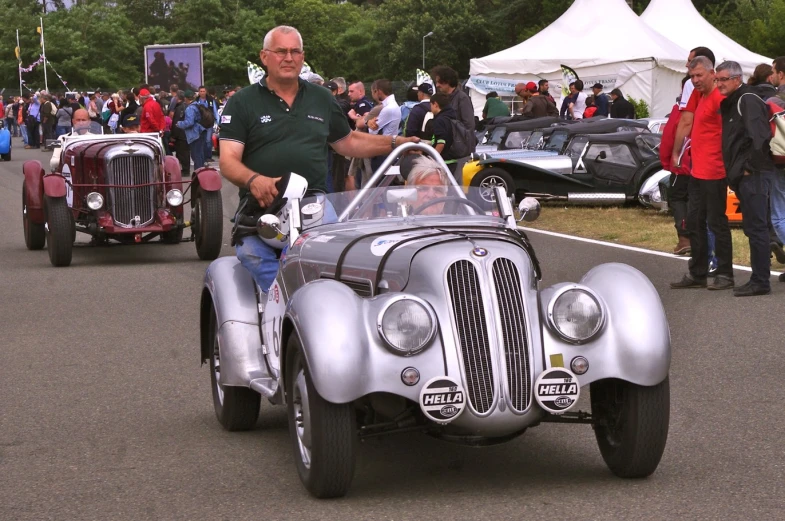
429,188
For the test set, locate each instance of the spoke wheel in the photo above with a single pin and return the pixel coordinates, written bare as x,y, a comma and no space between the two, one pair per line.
237,408
324,434
487,180
632,425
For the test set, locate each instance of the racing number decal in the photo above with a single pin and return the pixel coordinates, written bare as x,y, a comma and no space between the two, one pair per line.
277,335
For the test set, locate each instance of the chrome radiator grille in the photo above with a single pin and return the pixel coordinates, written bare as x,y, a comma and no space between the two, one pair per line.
135,205
472,329
513,321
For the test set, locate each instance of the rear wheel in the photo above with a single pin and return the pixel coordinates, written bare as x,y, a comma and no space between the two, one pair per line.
61,230
207,219
237,408
35,234
632,425
487,180
323,434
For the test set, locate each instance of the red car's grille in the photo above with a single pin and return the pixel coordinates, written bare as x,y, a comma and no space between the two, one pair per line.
135,205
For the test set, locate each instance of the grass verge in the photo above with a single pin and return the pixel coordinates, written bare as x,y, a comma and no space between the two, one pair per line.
632,226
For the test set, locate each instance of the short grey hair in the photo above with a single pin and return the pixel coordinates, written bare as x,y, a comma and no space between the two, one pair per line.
703,62
341,82
733,68
283,29
422,167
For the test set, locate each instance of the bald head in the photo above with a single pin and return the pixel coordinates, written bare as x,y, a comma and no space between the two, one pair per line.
356,91
80,116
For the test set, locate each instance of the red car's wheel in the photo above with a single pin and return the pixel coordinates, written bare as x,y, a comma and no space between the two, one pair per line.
60,233
35,234
207,220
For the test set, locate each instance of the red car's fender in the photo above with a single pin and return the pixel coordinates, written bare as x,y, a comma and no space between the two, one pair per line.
208,179
54,186
34,191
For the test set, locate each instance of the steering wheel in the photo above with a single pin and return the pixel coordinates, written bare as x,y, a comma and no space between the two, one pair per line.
471,204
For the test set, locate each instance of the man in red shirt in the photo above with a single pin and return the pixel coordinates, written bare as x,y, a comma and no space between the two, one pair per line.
152,115
708,185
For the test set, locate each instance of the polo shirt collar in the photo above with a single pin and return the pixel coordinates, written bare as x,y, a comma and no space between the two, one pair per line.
263,83
389,99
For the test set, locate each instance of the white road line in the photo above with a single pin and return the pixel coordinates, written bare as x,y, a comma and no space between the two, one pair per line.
629,248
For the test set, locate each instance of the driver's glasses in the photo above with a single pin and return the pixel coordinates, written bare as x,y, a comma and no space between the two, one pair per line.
438,190
283,53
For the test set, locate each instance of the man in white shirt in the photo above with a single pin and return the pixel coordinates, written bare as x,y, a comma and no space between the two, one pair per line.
579,105
389,119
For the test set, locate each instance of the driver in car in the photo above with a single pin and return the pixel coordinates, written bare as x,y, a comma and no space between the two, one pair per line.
80,123
431,183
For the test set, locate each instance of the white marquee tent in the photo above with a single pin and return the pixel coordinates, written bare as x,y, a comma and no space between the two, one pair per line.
610,45
680,22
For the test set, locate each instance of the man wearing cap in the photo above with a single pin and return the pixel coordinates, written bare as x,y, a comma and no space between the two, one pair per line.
194,131
152,116
279,125
420,114
130,124
525,91
539,106
600,101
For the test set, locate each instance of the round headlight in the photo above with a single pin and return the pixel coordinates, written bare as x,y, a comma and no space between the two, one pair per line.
575,314
406,325
95,201
174,197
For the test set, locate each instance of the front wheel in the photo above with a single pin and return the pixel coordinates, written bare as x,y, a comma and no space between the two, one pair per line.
632,425
61,231
35,234
207,220
323,434
487,180
237,408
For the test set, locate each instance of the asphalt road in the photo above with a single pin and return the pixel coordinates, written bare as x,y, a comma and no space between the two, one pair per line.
106,414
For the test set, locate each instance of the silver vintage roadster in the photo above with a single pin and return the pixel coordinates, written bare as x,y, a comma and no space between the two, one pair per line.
394,316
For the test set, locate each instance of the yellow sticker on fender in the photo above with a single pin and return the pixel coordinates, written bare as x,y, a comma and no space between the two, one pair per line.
557,360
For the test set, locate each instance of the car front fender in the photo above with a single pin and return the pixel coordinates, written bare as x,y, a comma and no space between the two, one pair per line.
34,191
634,344
343,350
54,186
208,179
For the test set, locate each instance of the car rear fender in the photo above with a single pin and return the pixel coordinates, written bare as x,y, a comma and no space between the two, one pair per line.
208,179
229,290
54,186
634,343
34,191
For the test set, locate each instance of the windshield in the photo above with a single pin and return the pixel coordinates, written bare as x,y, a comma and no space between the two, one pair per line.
87,127
424,202
497,135
517,139
535,140
556,143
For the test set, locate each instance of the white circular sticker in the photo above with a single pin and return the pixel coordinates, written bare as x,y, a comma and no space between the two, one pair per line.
557,390
442,399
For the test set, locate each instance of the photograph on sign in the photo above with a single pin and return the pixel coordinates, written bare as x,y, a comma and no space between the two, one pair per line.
169,64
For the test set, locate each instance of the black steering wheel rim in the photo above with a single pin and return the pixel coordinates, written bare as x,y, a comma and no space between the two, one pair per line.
471,204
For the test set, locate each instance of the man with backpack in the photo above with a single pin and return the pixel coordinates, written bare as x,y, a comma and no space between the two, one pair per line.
195,131
178,138
745,151
210,105
450,137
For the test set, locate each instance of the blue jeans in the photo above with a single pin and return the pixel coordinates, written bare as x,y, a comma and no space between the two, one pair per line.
12,127
23,131
198,151
261,259
777,202
61,130
209,144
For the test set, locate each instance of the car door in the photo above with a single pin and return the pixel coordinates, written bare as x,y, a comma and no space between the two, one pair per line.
611,165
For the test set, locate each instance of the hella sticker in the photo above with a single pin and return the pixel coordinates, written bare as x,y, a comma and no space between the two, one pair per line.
557,390
442,399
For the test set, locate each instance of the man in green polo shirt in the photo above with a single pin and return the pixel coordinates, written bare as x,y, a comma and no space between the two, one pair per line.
283,124
494,106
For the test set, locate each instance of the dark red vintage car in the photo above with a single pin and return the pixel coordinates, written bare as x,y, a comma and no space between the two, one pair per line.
121,188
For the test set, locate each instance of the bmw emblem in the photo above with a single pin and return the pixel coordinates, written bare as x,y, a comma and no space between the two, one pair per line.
479,252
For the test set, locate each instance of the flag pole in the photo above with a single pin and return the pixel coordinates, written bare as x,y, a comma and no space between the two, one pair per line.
43,53
19,59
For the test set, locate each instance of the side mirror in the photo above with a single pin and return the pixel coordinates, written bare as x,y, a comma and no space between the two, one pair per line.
529,209
269,227
602,155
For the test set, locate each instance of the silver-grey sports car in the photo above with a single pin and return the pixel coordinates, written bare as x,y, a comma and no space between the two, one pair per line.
393,312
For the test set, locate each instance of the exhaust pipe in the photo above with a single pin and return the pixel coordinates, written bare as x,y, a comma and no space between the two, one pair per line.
596,198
